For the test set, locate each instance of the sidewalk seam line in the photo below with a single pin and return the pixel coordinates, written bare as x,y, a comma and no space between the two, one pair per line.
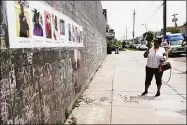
112,90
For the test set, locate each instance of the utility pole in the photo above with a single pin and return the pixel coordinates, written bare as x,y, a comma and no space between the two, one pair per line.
133,25
126,33
175,19
164,19
145,27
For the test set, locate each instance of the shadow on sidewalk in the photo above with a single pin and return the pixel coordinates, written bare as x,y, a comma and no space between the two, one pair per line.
148,98
182,112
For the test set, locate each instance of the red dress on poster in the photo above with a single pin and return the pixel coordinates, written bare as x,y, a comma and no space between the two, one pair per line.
54,35
48,30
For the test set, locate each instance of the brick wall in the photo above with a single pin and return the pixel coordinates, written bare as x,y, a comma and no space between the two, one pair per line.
38,85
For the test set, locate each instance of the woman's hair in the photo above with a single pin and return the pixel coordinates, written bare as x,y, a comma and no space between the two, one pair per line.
158,40
36,15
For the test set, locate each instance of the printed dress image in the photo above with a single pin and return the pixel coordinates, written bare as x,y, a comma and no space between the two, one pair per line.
55,27
81,37
76,34
69,31
22,19
47,24
62,27
37,23
62,30
73,33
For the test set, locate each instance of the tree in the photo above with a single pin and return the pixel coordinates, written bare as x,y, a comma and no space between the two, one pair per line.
185,24
117,43
149,37
173,30
124,43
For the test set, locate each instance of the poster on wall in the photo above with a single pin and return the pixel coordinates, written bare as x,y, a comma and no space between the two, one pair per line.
36,24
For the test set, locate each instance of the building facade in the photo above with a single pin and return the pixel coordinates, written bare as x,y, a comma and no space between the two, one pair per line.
40,85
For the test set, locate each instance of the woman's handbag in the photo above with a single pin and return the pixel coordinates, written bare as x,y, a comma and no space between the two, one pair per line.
146,54
164,66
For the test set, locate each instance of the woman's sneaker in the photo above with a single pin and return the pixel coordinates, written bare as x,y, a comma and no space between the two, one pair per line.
144,93
157,94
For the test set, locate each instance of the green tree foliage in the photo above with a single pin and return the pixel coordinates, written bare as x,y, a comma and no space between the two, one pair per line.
149,36
117,43
173,30
124,43
185,24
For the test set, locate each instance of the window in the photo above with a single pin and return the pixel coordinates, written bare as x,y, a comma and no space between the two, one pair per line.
176,42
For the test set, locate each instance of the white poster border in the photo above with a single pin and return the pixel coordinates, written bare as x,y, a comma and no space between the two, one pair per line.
34,41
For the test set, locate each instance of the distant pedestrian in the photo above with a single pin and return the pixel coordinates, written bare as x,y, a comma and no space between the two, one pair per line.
154,56
116,50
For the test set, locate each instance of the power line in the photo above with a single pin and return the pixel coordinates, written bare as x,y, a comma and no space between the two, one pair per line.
154,12
158,6
139,15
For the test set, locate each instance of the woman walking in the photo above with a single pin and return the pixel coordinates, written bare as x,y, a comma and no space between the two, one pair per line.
155,56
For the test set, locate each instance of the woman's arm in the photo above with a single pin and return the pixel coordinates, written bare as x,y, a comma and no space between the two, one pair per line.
164,57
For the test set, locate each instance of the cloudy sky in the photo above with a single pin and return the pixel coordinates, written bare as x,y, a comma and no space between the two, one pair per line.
120,15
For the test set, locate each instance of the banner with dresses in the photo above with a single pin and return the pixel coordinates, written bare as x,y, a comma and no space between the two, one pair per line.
34,24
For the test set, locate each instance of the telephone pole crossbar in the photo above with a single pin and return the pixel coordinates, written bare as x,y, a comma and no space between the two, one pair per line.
174,19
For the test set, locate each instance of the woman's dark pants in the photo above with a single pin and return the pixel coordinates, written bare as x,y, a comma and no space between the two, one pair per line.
150,72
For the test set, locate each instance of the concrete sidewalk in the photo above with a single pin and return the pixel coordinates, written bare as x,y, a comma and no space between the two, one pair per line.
113,96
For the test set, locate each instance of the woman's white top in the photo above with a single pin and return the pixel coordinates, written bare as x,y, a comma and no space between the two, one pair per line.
154,57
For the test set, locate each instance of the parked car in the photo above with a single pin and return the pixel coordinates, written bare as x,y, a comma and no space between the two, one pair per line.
138,46
175,43
127,46
134,46
143,47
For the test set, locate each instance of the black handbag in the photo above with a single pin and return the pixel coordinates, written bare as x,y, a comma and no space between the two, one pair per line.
164,66
146,54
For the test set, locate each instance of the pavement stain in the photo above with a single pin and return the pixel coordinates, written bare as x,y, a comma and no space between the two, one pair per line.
130,99
86,100
89,100
102,99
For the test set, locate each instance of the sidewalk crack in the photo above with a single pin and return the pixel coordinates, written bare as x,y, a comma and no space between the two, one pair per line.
112,92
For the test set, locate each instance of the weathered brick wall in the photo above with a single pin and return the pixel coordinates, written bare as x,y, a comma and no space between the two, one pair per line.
38,85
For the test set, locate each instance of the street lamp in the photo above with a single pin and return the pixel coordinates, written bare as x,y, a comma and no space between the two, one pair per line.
145,27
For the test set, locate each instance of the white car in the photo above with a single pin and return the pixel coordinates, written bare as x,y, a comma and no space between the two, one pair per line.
138,46
143,47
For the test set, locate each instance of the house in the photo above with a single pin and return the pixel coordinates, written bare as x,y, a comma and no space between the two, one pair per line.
182,29
110,34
